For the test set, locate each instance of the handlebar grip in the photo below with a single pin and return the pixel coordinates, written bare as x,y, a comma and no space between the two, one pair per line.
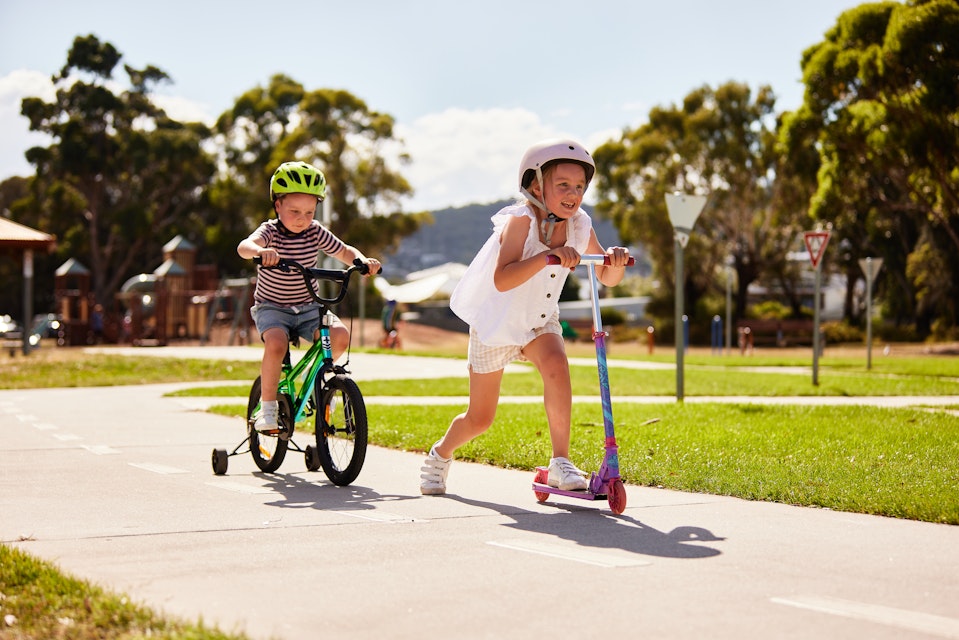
597,259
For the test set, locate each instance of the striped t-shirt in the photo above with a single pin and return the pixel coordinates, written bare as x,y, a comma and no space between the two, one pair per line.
287,288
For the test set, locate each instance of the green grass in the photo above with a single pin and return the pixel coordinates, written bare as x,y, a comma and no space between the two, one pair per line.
38,601
69,368
901,463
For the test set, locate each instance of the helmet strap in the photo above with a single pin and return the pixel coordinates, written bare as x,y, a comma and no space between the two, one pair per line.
547,225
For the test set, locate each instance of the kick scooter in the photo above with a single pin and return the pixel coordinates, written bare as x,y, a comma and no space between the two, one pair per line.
607,483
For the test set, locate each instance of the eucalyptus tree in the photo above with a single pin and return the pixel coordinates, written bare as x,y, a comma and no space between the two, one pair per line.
330,128
881,110
719,142
120,177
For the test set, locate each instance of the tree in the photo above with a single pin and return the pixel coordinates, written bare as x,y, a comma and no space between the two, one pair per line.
120,177
330,128
881,109
720,142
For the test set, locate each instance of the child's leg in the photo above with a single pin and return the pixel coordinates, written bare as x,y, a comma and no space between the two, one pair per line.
275,344
548,353
339,339
479,415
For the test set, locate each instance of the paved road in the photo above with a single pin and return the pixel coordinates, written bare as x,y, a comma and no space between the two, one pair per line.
115,486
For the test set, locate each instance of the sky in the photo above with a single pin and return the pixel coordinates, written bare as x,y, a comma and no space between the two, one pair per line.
470,85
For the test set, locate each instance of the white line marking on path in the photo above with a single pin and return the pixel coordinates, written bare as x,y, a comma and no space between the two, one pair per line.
239,488
375,516
66,437
44,426
889,616
157,468
577,554
100,449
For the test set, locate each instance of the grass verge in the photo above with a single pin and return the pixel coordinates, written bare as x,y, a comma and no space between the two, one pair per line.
38,601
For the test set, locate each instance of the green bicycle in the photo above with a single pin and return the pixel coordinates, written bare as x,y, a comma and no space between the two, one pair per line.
313,388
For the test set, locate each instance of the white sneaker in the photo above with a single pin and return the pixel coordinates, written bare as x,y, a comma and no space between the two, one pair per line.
433,478
564,475
267,419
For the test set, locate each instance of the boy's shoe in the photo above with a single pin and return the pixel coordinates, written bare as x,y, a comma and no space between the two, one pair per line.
564,475
433,478
267,419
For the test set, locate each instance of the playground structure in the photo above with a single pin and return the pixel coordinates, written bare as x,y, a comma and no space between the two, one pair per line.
179,301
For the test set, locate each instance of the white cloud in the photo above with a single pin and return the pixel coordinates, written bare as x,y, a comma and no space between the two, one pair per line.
184,110
462,156
15,134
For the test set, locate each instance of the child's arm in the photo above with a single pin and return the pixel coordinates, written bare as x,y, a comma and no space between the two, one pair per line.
511,270
348,254
250,248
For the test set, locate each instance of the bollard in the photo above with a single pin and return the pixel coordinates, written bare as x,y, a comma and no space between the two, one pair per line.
650,342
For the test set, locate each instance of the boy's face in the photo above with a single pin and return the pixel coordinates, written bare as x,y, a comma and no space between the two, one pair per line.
295,211
565,185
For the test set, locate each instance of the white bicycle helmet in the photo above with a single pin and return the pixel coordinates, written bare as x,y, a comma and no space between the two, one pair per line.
538,158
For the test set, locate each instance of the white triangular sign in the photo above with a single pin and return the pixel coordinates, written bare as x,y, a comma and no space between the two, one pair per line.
816,242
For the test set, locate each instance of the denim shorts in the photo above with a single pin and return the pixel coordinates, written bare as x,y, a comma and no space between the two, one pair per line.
300,321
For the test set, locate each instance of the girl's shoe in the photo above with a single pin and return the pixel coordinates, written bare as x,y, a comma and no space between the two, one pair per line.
564,475
433,478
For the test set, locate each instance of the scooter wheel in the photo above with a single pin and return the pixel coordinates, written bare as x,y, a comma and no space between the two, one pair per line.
220,460
542,477
617,496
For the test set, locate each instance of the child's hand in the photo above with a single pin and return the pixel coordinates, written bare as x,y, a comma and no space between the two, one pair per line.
373,264
618,256
268,256
568,256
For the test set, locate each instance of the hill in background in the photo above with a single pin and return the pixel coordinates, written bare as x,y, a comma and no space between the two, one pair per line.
457,234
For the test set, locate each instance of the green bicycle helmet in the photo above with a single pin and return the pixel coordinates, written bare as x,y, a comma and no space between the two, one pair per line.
297,177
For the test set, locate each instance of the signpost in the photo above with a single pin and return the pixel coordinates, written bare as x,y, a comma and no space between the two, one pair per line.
683,210
870,267
816,242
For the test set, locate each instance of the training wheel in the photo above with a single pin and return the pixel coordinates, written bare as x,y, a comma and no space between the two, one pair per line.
220,460
312,455
542,477
617,496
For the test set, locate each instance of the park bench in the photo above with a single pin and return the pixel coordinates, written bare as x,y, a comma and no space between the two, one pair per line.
777,333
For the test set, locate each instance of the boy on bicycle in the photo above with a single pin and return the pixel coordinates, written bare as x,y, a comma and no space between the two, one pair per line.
283,309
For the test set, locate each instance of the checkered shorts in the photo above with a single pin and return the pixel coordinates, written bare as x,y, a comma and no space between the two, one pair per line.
486,359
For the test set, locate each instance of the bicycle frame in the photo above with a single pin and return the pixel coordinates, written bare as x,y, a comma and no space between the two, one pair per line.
313,365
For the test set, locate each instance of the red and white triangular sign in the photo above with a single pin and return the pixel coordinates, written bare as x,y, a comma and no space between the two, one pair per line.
816,242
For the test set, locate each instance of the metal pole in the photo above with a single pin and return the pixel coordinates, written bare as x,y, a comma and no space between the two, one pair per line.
815,332
679,320
868,313
27,299
729,309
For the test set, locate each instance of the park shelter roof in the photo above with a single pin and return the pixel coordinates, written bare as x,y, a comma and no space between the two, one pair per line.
14,235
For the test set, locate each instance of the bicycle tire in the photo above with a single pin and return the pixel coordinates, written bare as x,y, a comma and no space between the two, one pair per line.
268,451
341,428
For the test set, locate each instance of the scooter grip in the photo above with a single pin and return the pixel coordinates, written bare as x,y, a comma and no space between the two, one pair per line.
598,259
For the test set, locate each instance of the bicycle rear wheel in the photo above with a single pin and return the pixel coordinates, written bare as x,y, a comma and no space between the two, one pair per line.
269,449
341,429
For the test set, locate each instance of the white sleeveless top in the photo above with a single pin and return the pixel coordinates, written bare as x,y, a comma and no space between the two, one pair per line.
502,318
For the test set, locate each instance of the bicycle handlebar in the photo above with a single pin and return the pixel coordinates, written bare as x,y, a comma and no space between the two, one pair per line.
590,258
340,276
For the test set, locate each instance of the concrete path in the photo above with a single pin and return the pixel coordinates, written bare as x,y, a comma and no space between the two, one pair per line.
115,486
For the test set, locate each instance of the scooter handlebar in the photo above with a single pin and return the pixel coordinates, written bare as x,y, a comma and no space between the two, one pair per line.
590,258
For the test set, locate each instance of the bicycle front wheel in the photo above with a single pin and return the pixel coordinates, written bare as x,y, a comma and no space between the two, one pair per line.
268,449
341,429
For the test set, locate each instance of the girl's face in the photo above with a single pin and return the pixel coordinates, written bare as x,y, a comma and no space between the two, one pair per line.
295,211
565,185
